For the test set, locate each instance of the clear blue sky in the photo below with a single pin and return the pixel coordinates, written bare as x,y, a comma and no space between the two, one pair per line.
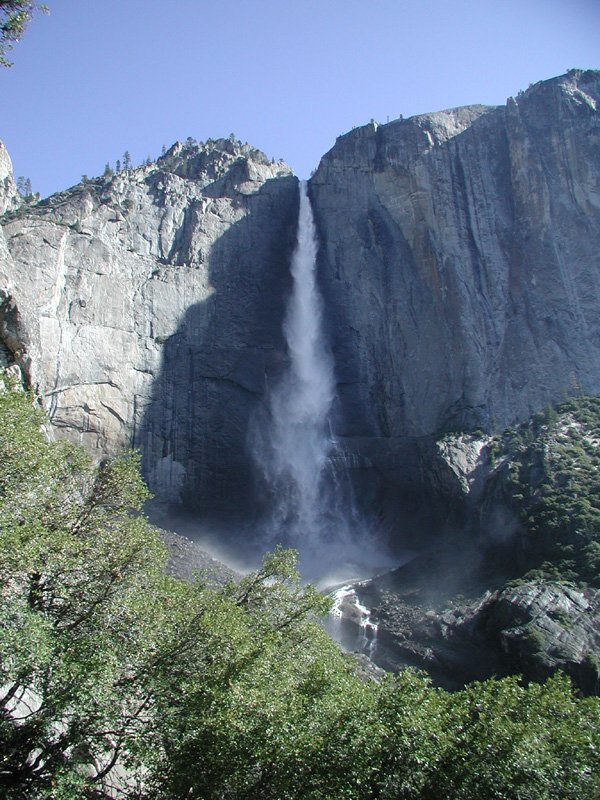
98,77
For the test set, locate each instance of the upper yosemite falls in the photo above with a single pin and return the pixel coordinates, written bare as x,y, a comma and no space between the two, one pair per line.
301,385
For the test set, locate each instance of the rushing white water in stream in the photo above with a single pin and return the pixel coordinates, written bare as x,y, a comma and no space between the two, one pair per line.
350,623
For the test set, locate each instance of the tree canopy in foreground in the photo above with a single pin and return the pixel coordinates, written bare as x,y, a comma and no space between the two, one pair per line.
119,681
14,18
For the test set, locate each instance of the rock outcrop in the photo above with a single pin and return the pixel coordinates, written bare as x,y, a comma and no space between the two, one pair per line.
515,588
147,307
9,197
460,261
533,628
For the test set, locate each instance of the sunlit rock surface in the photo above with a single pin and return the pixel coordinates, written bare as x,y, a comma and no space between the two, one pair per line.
9,198
149,308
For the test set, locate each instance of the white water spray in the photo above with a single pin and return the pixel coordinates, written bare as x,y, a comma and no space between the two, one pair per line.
312,506
349,622
293,450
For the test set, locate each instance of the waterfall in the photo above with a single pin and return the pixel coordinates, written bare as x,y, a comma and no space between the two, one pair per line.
312,506
349,622
301,403
293,445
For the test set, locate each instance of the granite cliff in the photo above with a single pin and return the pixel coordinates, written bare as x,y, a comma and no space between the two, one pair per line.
460,269
146,308
462,277
459,264
460,258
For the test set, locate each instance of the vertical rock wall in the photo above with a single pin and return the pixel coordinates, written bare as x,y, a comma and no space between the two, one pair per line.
461,261
149,309
460,264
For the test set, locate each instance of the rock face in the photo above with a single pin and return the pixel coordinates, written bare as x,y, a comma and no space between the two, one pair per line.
147,307
532,629
9,198
460,267
460,261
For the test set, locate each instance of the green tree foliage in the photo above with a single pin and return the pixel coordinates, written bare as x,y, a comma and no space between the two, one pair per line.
281,713
107,664
76,568
496,740
554,484
14,18
117,680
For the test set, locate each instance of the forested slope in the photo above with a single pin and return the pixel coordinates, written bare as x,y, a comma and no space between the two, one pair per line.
120,681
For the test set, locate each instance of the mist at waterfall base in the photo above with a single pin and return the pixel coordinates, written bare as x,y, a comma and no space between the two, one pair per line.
312,508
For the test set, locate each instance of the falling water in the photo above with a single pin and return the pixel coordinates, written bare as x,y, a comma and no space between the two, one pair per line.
312,506
349,622
293,449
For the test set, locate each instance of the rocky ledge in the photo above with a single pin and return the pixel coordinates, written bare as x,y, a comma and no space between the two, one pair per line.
531,628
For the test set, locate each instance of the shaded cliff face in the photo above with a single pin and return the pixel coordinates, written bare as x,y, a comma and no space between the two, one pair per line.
147,310
461,261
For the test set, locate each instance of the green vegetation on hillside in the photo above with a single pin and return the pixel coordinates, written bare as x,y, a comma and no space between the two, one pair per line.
553,464
117,680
